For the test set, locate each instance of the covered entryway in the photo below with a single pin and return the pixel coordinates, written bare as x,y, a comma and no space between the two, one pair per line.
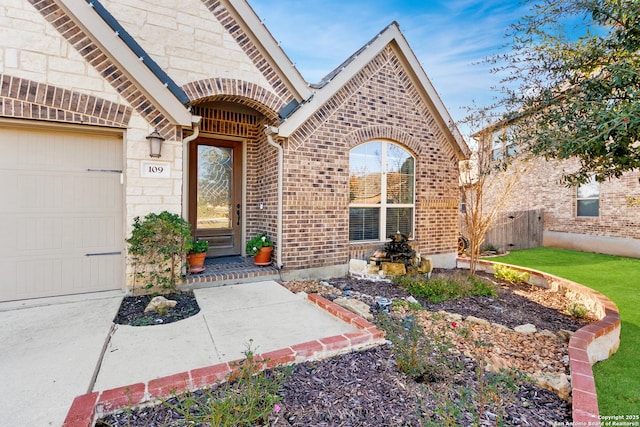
60,211
215,194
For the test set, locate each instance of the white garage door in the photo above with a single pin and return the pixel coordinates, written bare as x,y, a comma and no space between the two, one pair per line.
60,212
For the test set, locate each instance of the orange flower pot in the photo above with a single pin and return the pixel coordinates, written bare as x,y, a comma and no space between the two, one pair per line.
263,257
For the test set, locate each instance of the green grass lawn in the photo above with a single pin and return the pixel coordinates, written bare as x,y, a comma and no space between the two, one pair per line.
618,378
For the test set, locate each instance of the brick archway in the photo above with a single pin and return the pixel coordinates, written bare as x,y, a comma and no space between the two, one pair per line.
385,132
238,91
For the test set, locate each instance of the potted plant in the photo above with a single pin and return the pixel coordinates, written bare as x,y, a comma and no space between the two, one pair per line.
260,247
196,255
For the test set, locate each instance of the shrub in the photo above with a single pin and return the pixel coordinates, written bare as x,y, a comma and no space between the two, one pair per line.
417,355
577,310
157,249
510,274
442,288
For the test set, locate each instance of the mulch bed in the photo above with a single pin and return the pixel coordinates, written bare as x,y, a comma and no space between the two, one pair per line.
131,311
367,389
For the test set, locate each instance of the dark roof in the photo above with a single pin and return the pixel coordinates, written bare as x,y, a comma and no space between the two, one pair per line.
326,79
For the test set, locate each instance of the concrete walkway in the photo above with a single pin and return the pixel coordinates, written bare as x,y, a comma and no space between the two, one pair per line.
52,353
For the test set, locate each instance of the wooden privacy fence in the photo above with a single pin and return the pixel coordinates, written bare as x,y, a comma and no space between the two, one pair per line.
516,230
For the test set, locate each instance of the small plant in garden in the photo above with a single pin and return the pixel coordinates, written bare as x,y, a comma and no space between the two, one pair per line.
510,274
157,250
577,310
438,289
248,397
420,356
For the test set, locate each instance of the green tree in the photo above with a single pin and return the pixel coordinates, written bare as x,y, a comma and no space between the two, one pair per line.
572,84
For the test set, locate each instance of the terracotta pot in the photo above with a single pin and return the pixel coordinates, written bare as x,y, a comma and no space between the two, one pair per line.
196,262
263,257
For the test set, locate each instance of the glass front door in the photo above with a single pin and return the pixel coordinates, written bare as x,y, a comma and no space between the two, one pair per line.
215,194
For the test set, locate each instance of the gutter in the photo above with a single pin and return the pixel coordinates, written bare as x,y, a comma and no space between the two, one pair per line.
195,125
270,131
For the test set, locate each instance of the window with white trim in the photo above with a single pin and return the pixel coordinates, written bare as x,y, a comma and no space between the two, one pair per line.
381,191
588,198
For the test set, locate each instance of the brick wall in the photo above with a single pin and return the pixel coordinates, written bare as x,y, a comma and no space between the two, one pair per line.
378,102
541,187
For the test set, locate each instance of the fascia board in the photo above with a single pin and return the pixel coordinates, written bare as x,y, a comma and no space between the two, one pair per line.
269,47
129,63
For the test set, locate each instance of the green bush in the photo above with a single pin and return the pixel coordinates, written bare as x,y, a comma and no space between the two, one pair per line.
577,310
444,287
510,274
157,250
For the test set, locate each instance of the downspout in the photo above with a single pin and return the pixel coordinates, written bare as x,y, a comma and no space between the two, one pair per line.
270,131
195,125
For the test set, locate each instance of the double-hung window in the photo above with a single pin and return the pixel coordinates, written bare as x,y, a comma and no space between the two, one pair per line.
381,191
588,200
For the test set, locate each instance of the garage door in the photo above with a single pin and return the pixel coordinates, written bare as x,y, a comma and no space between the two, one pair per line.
60,212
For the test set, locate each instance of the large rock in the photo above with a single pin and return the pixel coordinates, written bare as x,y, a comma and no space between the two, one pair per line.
557,383
160,304
355,306
394,268
526,329
358,267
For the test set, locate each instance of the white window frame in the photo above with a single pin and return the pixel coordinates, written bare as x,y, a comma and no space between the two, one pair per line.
592,181
383,206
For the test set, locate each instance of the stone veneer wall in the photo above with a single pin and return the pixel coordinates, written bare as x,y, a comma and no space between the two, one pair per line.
590,344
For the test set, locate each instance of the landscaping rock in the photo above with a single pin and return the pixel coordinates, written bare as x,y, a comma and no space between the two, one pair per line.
160,304
355,306
557,383
358,267
394,268
526,329
565,335
477,320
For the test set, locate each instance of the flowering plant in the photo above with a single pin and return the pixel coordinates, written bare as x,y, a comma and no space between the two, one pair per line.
259,241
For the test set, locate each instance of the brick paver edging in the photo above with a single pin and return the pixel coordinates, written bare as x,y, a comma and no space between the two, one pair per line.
87,408
588,345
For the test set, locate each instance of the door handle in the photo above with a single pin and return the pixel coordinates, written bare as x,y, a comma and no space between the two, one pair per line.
238,214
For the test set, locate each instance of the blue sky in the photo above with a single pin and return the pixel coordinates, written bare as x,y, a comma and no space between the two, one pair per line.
448,37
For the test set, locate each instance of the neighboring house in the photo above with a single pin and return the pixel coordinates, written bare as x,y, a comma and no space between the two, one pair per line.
593,217
328,170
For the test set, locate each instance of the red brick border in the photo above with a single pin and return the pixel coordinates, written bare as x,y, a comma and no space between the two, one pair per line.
590,344
86,408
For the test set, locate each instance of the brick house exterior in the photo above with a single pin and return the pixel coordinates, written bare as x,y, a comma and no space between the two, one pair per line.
613,227
206,75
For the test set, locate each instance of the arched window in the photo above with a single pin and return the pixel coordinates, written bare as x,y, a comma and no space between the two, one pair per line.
381,191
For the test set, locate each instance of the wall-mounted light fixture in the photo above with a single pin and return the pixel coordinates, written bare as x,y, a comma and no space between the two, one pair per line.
155,143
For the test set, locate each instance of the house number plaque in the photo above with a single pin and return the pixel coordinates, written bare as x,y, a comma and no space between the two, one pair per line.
155,169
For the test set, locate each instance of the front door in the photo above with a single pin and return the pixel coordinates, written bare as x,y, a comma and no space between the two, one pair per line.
215,194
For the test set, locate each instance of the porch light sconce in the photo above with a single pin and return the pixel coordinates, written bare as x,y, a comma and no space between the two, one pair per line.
155,143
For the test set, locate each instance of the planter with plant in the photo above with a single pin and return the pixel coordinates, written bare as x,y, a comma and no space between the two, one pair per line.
196,256
157,251
260,247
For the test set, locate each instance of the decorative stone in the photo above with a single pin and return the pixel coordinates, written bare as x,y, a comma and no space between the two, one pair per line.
557,383
477,320
502,327
526,329
426,266
373,268
160,304
565,335
451,317
547,333
394,268
358,267
355,306
496,364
